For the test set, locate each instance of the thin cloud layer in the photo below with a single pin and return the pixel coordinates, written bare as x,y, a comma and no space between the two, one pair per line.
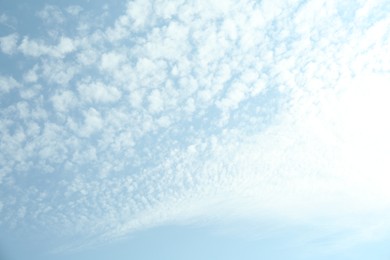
175,112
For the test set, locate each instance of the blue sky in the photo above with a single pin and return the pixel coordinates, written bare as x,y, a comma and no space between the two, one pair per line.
194,129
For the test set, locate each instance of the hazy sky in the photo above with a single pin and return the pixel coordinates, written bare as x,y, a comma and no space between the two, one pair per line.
205,129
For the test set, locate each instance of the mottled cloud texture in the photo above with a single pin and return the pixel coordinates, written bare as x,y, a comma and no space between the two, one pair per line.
187,111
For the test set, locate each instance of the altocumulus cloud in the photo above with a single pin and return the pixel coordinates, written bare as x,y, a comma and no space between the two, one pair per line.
183,111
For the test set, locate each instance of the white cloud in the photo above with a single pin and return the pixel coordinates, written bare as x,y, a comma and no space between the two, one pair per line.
139,12
167,8
92,122
87,57
3,18
59,72
169,43
37,48
110,61
7,84
74,9
31,76
98,92
7,21
9,43
234,96
48,149
190,106
136,98
23,109
156,102
63,101
30,91
65,46
33,48
51,14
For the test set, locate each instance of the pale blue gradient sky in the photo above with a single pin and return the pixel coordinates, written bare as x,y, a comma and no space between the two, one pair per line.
194,130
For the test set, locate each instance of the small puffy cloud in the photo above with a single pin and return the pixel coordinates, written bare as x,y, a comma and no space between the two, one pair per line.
37,48
23,109
170,42
150,72
3,18
7,21
92,122
31,75
51,14
87,56
234,96
65,46
190,106
8,44
168,9
258,87
30,91
63,101
33,48
111,60
136,98
118,32
156,101
98,92
164,121
59,72
74,9
249,76
7,84
139,11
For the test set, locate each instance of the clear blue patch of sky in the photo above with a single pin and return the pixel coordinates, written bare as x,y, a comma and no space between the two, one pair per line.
193,243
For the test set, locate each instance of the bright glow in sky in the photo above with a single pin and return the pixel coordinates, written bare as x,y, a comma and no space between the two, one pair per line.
246,129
